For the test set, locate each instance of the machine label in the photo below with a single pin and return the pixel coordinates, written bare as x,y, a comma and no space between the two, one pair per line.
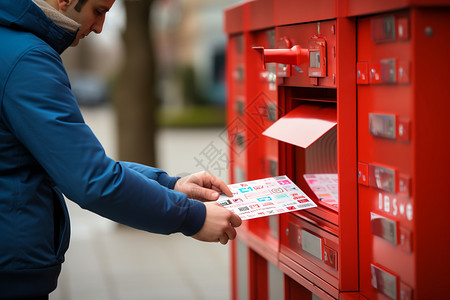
397,207
312,244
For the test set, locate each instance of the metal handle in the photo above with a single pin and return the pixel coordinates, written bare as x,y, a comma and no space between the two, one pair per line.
293,56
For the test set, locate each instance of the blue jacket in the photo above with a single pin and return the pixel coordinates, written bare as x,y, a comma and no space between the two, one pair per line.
46,150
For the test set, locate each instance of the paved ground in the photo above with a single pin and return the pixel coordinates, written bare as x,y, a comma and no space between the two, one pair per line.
107,261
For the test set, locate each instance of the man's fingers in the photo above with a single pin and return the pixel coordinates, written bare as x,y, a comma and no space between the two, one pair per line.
235,220
218,185
219,224
216,189
231,233
223,239
201,193
224,188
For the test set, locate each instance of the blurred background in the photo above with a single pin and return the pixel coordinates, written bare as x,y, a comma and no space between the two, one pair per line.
151,87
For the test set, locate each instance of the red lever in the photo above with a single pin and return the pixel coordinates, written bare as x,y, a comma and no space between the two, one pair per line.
294,56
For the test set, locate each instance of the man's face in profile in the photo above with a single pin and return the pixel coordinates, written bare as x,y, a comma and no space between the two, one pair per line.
90,14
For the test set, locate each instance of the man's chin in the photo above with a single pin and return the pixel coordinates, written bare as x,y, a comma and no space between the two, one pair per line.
75,42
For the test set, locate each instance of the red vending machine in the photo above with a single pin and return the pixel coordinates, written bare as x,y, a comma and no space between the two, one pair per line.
402,164
238,135
257,247
317,138
352,95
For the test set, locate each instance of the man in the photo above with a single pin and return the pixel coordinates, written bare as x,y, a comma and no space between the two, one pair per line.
46,150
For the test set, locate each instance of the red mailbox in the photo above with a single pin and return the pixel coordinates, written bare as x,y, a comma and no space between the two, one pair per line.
357,90
395,152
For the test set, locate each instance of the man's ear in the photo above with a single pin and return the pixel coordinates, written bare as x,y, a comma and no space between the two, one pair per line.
64,4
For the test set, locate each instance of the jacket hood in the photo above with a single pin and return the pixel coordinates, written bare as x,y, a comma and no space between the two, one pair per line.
24,15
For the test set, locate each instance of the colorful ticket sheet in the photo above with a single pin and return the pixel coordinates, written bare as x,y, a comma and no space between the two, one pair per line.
265,197
325,186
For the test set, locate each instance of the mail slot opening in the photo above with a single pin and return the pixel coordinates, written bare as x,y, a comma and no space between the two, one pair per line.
310,133
316,170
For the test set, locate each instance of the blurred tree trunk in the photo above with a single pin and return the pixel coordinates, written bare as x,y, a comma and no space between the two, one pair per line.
135,95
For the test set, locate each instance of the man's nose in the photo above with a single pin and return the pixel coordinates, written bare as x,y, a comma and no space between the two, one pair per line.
97,27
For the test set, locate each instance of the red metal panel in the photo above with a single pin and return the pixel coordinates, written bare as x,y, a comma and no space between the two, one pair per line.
347,154
400,78
430,128
236,98
261,14
236,18
258,277
260,112
358,8
233,270
379,258
252,106
400,261
295,11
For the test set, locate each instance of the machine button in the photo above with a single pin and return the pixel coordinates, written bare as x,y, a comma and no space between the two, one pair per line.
403,28
330,257
404,185
363,173
403,130
405,240
375,73
362,73
404,75
409,212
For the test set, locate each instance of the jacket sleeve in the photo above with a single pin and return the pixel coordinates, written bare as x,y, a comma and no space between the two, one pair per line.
42,112
153,173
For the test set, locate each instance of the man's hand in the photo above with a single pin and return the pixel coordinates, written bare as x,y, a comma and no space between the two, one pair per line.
202,186
219,224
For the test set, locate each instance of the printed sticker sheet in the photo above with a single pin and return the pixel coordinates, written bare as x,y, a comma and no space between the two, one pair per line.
325,186
265,197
